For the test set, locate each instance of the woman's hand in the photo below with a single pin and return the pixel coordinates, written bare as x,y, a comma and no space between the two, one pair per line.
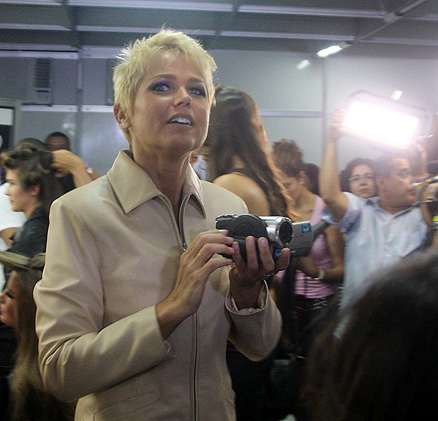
245,278
195,267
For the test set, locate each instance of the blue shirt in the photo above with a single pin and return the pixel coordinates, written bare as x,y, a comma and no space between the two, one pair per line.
375,239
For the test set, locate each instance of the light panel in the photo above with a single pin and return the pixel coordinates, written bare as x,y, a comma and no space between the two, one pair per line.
381,123
142,4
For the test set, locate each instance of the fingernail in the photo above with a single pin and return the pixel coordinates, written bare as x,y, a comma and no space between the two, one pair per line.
263,242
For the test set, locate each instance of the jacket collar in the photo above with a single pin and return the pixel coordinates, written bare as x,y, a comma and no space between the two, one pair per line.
133,186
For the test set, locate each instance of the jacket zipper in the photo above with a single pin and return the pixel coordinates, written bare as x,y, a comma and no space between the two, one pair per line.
194,415
180,230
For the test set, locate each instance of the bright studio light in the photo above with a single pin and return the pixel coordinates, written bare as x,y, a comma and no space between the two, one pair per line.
329,51
383,120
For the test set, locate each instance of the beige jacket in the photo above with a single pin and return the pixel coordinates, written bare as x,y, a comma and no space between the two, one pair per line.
112,254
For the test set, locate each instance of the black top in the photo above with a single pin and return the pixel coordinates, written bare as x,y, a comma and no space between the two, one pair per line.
31,238
67,183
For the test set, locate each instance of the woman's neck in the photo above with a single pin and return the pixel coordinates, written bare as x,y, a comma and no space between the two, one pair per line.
168,175
305,203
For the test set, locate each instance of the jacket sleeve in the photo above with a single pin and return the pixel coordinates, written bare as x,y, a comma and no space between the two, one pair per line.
78,355
256,332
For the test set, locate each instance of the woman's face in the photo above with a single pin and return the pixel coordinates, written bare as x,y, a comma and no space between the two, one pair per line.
170,111
8,302
293,185
362,181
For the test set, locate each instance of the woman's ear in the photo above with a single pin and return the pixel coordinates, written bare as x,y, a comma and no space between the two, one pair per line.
121,117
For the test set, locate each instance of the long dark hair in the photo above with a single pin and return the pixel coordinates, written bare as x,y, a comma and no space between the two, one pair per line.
29,400
233,132
383,364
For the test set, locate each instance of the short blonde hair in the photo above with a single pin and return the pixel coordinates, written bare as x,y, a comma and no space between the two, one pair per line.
135,59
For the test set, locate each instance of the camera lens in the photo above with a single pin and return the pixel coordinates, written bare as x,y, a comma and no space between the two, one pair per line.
285,232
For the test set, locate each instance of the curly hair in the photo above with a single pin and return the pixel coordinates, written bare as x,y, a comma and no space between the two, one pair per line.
288,157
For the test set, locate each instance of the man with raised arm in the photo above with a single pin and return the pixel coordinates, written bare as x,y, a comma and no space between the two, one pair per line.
380,230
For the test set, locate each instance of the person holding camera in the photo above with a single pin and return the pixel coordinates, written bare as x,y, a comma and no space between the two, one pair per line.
240,161
137,301
380,230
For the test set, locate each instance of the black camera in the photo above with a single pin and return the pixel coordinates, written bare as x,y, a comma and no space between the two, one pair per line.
280,232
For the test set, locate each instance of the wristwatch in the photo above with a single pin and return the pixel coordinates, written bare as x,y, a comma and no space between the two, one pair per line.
88,168
321,275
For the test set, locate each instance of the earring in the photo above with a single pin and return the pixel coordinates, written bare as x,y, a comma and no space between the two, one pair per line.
123,124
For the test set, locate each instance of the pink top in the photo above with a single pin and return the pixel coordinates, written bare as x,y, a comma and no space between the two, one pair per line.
305,285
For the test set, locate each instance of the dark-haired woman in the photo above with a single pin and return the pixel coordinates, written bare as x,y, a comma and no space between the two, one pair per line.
240,161
28,401
383,365
358,178
239,155
33,186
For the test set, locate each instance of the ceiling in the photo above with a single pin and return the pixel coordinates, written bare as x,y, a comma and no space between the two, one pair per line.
394,28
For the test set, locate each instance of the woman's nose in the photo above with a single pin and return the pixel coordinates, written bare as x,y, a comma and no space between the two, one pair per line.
182,97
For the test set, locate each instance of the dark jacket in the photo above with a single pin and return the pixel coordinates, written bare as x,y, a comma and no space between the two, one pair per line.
31,238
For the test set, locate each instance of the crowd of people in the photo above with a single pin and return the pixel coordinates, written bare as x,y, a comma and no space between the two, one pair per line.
145,310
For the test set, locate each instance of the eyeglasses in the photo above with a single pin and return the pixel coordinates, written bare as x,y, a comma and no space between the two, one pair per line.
357,178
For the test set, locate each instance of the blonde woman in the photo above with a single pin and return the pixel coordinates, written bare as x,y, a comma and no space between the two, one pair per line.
137,301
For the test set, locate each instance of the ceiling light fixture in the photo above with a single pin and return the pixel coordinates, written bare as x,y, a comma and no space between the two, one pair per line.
144,4
303,64
329,51
332,49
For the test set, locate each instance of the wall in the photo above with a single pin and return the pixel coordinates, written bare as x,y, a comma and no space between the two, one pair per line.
294,104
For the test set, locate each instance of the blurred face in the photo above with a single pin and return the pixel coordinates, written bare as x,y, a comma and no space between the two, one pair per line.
293,185
8,302
397,189
362,182
21,199
57,142
170,111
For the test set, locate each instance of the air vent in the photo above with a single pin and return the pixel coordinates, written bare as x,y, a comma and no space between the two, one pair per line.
41,83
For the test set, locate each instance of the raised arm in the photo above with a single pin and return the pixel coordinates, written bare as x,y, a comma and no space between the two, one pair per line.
329,184
67,162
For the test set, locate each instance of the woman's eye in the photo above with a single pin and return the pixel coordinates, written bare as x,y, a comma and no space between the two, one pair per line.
160,87
197,90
